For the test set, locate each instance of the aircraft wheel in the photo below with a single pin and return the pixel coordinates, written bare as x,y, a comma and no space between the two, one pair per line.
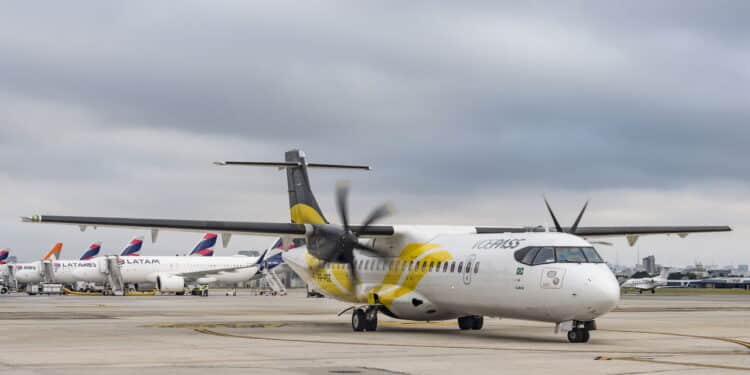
371,321
640,291
359,320
578,335
465,322
653,291
477,322
3,290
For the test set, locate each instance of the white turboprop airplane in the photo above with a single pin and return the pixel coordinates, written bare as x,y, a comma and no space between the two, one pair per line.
173,274
648,283
428,273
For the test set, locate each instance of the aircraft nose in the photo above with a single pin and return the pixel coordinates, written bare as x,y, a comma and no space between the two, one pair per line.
605,291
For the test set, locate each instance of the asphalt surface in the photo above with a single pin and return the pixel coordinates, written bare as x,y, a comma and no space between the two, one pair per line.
296,335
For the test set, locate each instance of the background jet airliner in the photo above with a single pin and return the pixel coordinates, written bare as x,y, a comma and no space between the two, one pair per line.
33,272
423,272
173,274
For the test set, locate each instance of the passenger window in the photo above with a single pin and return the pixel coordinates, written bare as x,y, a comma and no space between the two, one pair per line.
424,266
460,267
468,267
453,266
437,267
570,255
411,265
432,266
403,265
545,255
445,267
476,267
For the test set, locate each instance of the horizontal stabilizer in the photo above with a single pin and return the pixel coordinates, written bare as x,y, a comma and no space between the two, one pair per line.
287,164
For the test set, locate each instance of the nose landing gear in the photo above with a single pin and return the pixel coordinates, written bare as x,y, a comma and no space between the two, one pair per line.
578,335
580,331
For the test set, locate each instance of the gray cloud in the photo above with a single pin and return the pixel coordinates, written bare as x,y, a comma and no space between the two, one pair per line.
118,109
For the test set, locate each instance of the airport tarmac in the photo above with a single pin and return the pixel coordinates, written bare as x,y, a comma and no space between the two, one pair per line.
295,335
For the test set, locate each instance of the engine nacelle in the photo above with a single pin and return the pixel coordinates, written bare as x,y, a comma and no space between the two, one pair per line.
170,283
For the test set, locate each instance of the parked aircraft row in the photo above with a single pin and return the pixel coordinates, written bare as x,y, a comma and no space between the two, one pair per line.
427,272
170,274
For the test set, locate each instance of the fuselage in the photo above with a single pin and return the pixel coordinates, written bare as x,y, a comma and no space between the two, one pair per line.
144,269
29,273
453,275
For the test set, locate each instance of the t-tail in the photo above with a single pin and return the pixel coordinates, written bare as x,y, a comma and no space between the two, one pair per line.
92,251
303,206
205,247
133,248
4,253
54,252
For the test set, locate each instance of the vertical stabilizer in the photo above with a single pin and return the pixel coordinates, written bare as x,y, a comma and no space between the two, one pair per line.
133,248
303,206
54,253
205,246
92,251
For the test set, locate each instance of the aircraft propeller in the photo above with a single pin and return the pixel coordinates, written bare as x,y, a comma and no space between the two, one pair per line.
572,229
336,243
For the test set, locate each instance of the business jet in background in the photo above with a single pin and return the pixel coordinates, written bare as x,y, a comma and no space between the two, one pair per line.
648,283
426,272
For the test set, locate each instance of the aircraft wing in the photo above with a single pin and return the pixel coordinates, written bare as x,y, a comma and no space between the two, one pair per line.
198,274
232,227
644,230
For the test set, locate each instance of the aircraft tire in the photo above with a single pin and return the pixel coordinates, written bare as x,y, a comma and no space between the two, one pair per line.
3,290
477,322
578,335
359,320
465,322
371,325
653,291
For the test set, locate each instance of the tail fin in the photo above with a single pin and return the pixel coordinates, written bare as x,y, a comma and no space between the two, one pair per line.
205,246
54,252
133,248
664,274
303,206
92,251
4,253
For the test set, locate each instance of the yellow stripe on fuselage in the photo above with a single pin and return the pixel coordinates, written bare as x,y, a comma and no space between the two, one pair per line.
336,281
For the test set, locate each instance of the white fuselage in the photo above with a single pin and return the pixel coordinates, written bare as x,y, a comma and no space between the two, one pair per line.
500,287
646,283
146,269
29,273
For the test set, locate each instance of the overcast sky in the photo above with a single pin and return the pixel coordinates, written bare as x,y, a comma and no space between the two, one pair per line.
468,113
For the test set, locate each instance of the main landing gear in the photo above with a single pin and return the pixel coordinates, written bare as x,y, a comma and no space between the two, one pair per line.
471,322
365,319
580,331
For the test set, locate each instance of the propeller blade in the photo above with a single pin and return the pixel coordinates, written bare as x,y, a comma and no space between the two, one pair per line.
342,197
382,211
578,219
557,224
355,275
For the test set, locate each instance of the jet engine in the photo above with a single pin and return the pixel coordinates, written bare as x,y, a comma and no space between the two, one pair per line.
170,283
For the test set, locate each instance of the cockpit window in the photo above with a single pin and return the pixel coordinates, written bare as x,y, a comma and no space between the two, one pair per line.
545,255
561,254
591,255
569,255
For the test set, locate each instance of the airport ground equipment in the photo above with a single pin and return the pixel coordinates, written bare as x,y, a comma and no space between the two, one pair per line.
51,289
